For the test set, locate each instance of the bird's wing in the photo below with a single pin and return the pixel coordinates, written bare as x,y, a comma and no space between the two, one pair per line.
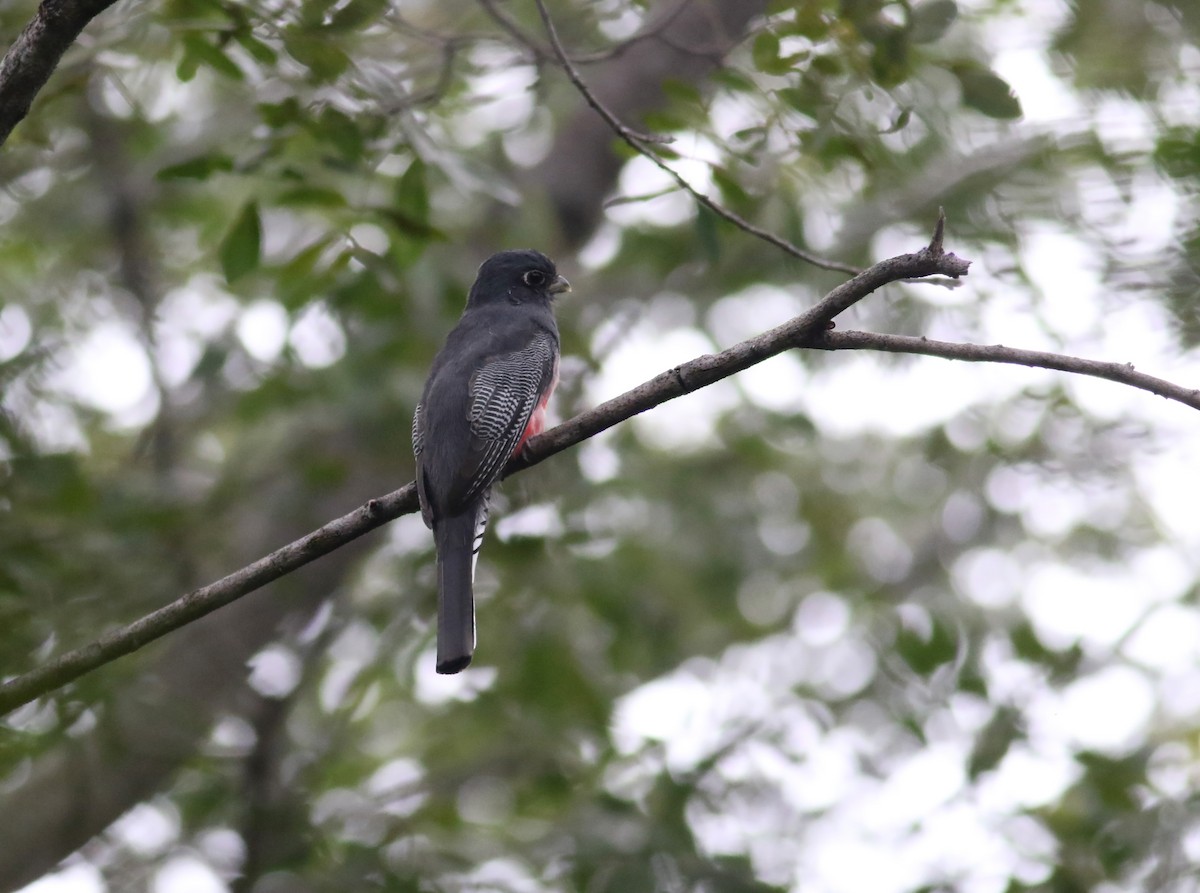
418,432
504,392
418,444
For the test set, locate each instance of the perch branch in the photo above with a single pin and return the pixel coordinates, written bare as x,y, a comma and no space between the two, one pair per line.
809,330
684,379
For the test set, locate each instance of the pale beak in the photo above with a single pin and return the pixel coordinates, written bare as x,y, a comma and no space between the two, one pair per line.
558,286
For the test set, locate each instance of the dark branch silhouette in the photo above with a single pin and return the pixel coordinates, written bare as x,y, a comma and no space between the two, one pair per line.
35,53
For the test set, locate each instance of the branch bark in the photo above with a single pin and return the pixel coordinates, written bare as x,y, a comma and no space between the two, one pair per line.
205,600
809,330
1122,373
149,727
697,373
36,52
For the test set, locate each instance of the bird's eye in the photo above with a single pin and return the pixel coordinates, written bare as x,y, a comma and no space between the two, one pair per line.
535,278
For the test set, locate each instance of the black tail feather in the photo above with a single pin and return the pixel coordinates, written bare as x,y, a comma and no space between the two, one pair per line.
455,540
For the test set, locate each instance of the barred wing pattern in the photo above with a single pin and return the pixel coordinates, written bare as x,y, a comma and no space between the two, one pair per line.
504,393
418,433
418,444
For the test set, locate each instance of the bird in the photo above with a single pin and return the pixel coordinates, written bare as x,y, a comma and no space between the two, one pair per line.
485,396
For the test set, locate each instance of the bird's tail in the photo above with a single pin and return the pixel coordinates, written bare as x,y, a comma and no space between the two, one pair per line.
457,540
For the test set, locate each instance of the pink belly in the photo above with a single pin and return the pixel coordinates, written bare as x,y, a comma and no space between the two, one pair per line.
537,424
537,421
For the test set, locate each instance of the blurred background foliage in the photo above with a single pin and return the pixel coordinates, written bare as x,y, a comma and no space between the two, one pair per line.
843,623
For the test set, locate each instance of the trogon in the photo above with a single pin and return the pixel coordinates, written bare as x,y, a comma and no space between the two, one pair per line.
485,396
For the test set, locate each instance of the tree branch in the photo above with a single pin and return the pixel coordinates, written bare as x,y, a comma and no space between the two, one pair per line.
808,330
199,602
697,373
654,29
640,143
801,331
145,731
1122,373
34,55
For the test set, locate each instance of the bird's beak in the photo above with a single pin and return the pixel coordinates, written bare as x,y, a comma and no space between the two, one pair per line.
558,286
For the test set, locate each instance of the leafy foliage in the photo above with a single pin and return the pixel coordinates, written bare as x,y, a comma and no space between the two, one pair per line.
843,623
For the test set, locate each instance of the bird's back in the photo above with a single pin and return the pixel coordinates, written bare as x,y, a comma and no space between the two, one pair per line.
481,336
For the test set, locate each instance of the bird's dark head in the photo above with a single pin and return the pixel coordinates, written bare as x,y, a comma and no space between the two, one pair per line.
516,277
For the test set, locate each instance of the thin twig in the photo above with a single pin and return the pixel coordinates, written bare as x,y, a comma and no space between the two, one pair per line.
639,142
1122,373
513,29
539,52
636,139
673,383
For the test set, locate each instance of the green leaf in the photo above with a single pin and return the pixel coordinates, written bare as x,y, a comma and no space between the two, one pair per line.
805,98
260,51
765,52
299,277
986,92
312,196
1115,779
810,21
412,192
323,58
830,64
767,55
901,121
1178,152
994,741
1061,664
750,139
931,20
732,79
200,50
682,92
731,189
364,293
889,61
925,653
199,168
241,248
281,114
408,225
356,14
342,132
312,13
188,65
409,215
706,234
